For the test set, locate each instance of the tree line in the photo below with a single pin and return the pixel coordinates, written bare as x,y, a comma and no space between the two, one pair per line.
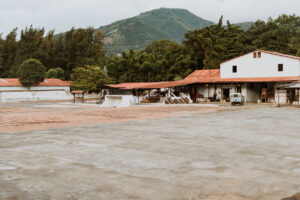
78,53
74,48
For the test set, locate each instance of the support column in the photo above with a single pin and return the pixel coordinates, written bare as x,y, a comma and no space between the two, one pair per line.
197,94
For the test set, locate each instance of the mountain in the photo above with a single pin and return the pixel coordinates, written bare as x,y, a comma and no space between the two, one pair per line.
137,32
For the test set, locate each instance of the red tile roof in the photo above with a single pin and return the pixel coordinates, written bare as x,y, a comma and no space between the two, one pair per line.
269,52
77,92
14,82
280,54
213,76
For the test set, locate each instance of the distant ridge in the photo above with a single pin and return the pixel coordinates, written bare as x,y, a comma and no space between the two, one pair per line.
137,32
164,23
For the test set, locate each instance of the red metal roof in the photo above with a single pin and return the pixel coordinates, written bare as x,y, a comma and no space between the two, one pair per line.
14,82
133,85
77,92
208,75
167,84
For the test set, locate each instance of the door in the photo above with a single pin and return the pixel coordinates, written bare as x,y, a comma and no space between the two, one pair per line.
226,94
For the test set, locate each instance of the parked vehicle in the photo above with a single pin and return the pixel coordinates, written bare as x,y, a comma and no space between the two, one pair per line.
237,99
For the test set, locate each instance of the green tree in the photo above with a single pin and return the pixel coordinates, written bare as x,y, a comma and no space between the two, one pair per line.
2,69
56,73
275,34
212,45
89,78
28,47
9,46
31,72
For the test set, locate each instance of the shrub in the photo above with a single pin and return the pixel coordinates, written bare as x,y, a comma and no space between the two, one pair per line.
31,72
56,73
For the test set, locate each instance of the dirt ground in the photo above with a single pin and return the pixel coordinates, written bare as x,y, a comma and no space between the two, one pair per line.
149,152
27,117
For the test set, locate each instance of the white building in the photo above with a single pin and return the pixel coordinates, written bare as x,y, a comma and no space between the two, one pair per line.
256,75
261,64
49,90
261,76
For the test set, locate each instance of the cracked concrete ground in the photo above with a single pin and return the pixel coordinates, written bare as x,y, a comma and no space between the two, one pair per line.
240,154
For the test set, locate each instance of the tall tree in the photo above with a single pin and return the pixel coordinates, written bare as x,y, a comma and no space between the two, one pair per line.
89,78
29,47
9,46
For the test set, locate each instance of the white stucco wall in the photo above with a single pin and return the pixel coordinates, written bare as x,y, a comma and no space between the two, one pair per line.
35,88
266,66
252,96
280,96
15,94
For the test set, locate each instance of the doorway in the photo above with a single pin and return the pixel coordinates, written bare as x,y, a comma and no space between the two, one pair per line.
291,95
226,94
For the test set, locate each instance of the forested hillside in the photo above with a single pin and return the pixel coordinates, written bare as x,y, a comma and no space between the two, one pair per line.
137,32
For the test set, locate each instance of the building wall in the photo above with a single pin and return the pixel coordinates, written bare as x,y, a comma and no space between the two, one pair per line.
35,88
280,96
266,66
16,94
251,94
209,91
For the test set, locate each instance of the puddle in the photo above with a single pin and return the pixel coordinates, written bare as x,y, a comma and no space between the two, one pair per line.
89,144
292,158
7,168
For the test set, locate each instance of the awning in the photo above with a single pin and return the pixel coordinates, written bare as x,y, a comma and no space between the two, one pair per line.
295,85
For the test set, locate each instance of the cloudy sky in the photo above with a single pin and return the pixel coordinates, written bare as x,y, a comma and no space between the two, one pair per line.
61,15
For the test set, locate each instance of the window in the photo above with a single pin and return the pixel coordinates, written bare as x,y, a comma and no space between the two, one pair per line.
254,54
234,69
280,67
259,54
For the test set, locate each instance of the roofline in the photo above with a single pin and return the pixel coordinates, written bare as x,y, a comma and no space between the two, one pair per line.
35,86
265,51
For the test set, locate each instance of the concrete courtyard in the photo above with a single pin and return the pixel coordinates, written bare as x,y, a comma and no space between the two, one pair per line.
245,154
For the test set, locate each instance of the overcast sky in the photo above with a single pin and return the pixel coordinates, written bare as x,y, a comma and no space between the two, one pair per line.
61,15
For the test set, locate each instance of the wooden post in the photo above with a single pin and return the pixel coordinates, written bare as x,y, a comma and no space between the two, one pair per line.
196,94
208,92
278,96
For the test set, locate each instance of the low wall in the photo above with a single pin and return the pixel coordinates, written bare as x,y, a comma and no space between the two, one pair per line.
36,95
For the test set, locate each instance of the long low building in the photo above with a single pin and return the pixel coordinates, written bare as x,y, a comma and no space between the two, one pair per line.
258,75
11,90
